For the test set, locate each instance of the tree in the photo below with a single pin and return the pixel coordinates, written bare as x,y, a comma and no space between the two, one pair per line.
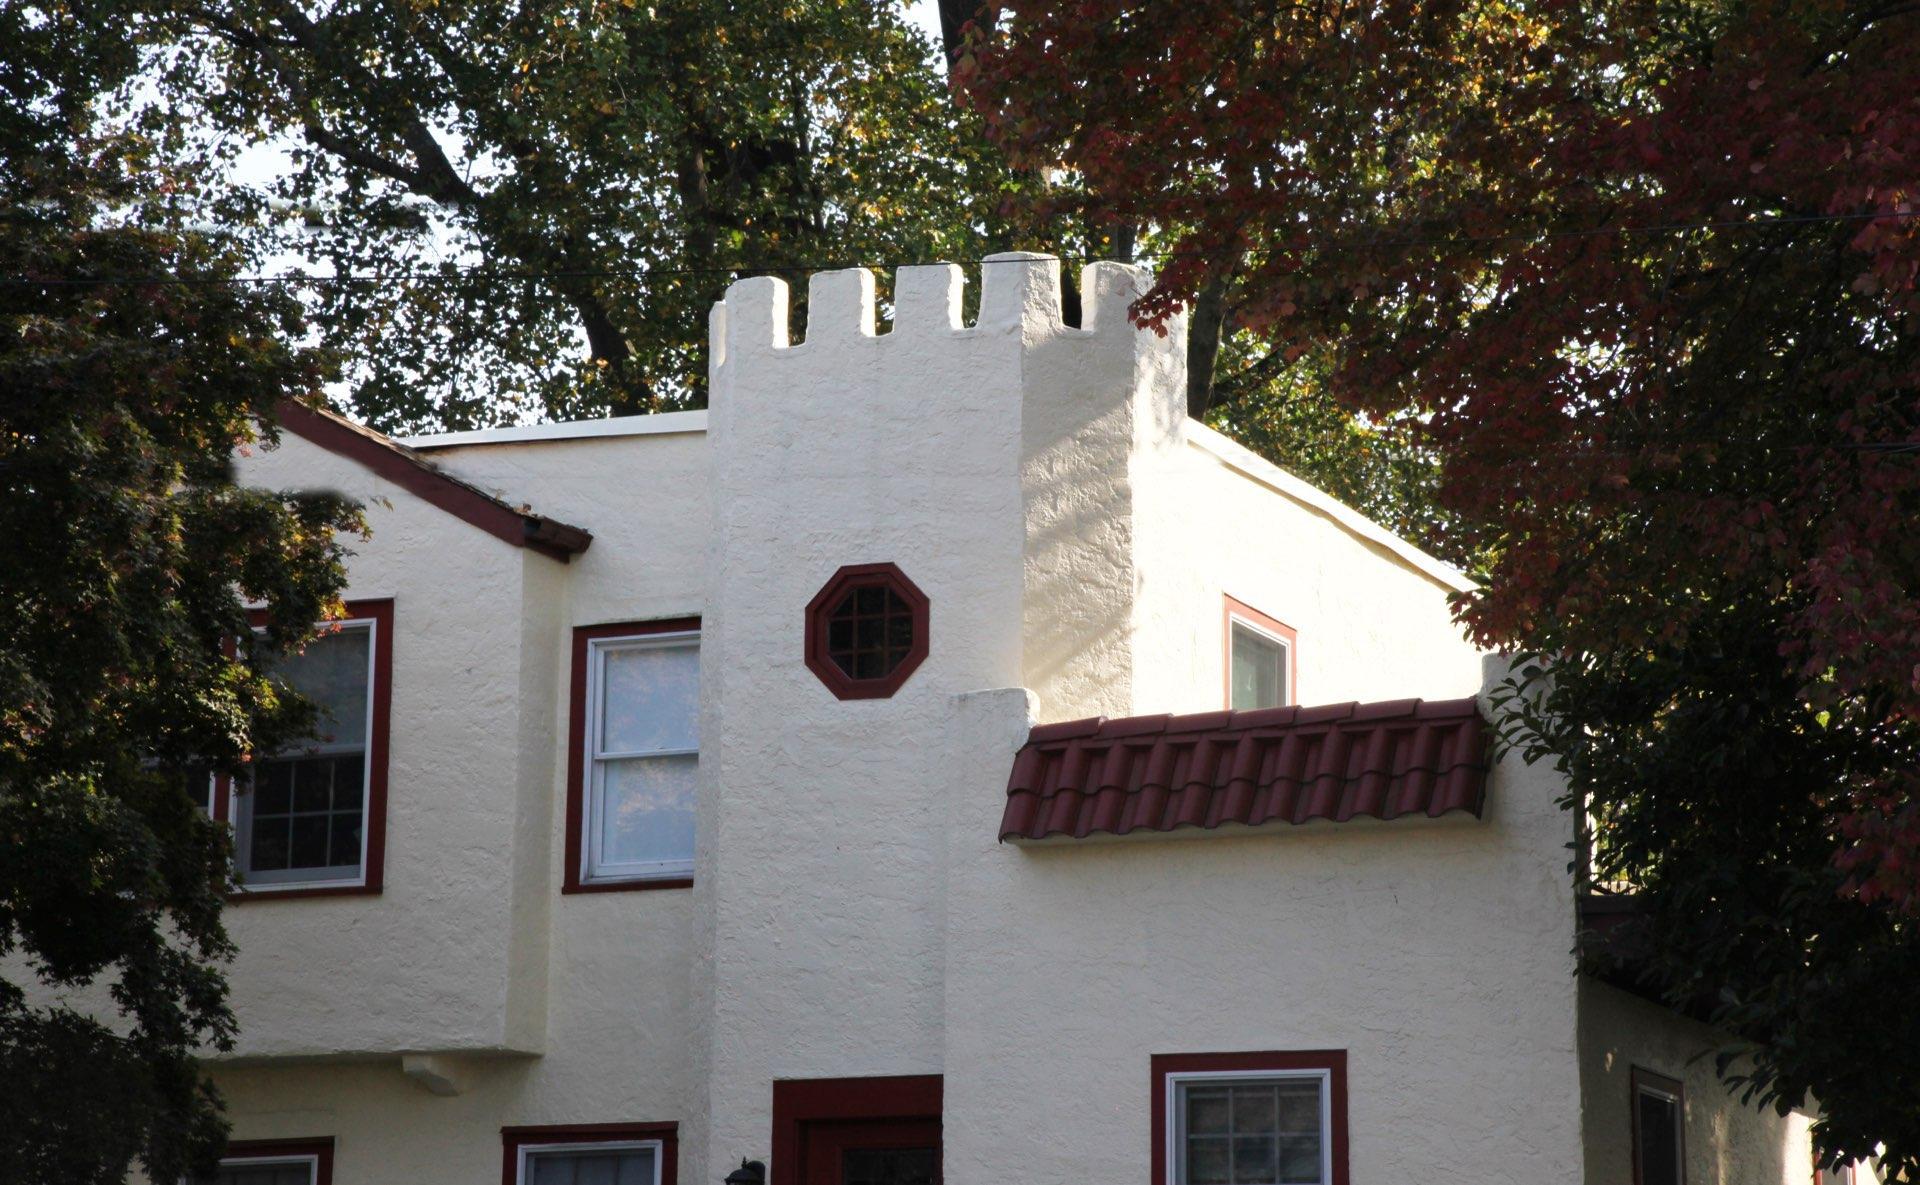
127,671
1642,274
551,194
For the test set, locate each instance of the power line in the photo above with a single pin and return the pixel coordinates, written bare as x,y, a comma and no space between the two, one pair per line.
464,274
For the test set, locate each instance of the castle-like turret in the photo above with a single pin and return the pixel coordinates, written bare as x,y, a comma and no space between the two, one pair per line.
993,466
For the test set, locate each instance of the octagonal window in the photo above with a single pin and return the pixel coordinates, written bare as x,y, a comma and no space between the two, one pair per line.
866,631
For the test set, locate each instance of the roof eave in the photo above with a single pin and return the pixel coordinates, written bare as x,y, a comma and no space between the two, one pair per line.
407,469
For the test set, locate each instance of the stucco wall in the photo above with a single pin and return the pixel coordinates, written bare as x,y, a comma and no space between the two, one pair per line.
1435,955
644,496
1216,521
426,964
851,913
1727,1143
819,864
471,948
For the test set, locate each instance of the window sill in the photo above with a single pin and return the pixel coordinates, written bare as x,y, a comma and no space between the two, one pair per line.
276,893
628,886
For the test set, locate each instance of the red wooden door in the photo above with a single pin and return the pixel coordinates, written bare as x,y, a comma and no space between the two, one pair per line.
873,1152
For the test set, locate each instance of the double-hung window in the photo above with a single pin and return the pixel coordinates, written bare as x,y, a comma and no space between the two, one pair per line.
605,1163
595,1154
1250,1119
637,737
1260,667
310,815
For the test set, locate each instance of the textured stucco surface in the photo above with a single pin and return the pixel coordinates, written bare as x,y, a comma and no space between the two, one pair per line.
1435,956
1727,1142
426,964
1370,626
851,913
555,1009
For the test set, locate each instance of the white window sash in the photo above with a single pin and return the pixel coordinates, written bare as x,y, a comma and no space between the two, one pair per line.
594,870
308,1159
243,827
529,1151
1236,622
1176,1113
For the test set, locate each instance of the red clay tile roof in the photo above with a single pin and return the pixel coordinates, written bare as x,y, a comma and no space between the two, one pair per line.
1161,773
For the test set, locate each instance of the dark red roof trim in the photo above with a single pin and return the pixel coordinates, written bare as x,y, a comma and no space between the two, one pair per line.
419,476
1285,765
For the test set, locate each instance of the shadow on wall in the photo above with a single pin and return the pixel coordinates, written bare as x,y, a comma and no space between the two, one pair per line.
1726,1142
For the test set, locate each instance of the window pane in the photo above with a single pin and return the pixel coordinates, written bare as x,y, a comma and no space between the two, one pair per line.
1300,1160
268,850
1251,1132
1208,1161
303,818
625,1166
1253,1109
649,698
1299,1106
1259,670
646,809
1658,1120
332,672
889,1166
1208,1109
1253,1158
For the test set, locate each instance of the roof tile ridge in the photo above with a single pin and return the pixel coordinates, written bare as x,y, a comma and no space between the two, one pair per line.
1064,730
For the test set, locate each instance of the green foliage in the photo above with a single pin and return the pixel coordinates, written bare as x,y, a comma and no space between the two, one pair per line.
559,190
1643,278
1717,793
127,672
1284,410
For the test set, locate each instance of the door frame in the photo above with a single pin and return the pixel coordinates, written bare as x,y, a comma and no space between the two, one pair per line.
798,1102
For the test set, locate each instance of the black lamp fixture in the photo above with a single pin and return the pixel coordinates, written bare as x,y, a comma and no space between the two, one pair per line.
750,1172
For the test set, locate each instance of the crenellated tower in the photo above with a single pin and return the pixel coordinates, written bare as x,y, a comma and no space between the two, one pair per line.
993,466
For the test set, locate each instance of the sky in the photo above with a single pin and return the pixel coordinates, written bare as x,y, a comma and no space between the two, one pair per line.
926,14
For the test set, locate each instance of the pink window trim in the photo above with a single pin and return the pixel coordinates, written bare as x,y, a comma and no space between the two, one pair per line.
1240,610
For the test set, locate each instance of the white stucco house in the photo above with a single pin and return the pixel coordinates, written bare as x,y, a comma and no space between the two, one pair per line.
939,761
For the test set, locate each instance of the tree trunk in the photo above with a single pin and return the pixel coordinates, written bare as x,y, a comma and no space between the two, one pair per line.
1204,328
955,15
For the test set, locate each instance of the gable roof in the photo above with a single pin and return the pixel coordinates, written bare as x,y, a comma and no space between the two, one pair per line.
1277,765
412,472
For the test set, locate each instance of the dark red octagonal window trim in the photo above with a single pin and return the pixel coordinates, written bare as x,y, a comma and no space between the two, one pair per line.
866,631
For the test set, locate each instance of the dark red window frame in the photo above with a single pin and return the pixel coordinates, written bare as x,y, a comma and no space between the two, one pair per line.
319,1147
820,611
1276,627
1638,1078
577,771
800,1101
512,1139
373,875
1333,1061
